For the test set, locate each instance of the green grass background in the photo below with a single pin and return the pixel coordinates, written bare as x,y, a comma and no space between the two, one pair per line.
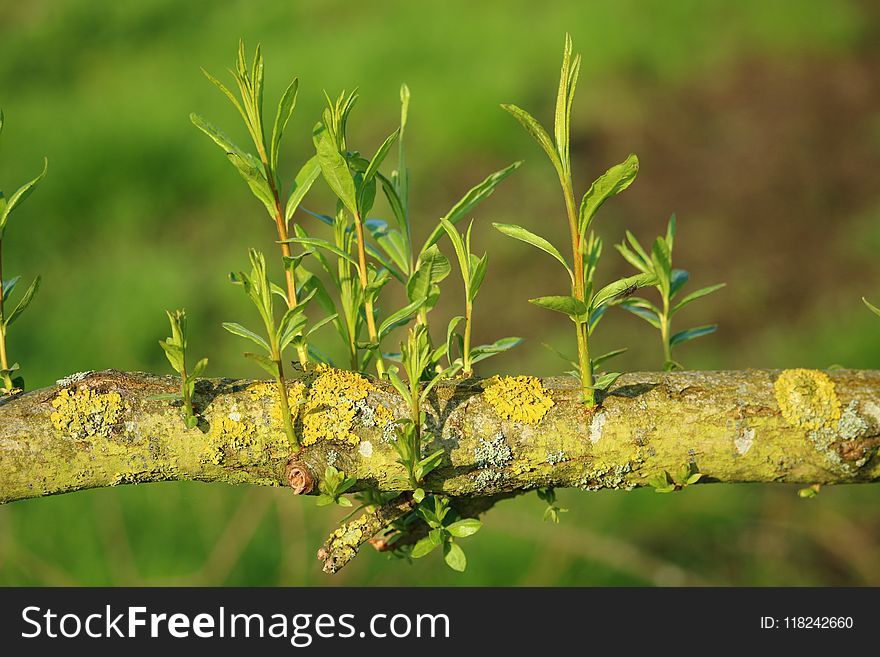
757,122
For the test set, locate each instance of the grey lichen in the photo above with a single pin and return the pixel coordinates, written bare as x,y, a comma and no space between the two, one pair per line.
556,457
493,453
851,425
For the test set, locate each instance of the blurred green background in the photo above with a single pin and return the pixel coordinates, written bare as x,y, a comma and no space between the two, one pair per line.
757,122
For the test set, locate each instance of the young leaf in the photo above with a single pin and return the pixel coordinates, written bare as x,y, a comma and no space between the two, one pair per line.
469,201
24,302
531,125
693,296
241,331
399,317
285,109
519,233
463,528
454,556
303,182
874,309
268,365
19,196
426,545
612,182
620,288
336,171
690,334
574,308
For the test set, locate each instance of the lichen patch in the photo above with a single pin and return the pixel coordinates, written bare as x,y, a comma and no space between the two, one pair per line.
493,453
744,441
330,409
596,427
518,398
87,413
807,399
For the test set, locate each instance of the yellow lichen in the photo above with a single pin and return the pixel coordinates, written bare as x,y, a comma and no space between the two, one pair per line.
518,398
807,399
295,394
86,413
329,411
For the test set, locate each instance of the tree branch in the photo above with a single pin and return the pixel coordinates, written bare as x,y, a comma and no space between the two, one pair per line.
499,435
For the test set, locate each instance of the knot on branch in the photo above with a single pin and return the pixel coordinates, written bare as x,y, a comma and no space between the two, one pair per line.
299,477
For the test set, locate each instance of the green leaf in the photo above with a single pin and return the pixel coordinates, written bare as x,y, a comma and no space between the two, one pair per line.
454,556
612,182
241,331
677,279
874,309
285,109
536,130
19,196
380,156
523,235
391,241
9,286
267,364
399,317
24,302
637,307
174,353
431,268
574,308
621,289
426,545
463,528
200,368
419,494
485,351
324,244
607,356
303,182
662,260
478,268
469,201
336,171
605,381
634,259
693,296
690,334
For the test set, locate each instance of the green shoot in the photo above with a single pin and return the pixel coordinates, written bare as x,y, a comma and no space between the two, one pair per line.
874,309
669,283
175,351
473,271
443,532
416,356
260,171
13,384
292,324
663,482
551,513
333,486
583,306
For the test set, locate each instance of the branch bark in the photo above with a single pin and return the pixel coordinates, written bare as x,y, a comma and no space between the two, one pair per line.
500,435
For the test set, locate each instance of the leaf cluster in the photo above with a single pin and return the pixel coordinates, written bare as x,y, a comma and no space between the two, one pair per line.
443,532
175,350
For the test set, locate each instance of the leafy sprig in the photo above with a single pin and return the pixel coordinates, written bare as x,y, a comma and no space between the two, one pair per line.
175,350
278,336
443,531
333,486
663,482
416,355
584,306
473,272
12,383
260,171
669,282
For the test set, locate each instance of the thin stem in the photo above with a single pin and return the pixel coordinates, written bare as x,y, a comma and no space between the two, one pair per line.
281,226
368,303
585,365
467,369
665,322
4,359
285,405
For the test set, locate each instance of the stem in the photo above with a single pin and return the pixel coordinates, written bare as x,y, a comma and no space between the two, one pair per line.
368,303
583,334
4,359
665,322
416,415
285,405
286,252
467,369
